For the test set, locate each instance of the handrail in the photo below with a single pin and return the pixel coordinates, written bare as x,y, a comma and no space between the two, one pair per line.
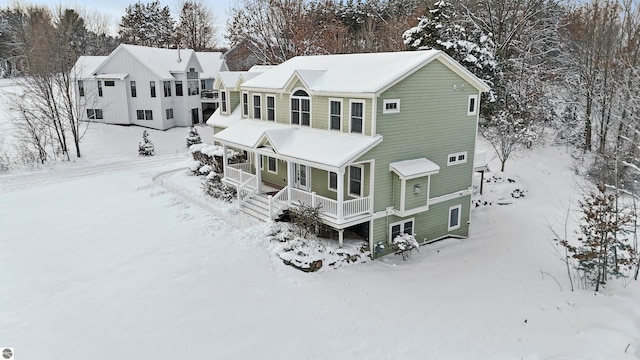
278,202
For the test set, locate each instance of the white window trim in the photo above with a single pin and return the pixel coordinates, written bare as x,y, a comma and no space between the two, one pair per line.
253,110
361,181
329,181
242,100
262,162
266,107
225,100
401,223
449,227
390,111
457,162
364,111
275,161
475,105
291,97
341,113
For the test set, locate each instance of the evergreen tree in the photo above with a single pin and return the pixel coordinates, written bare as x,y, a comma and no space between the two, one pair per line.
147,25
145,146
193,137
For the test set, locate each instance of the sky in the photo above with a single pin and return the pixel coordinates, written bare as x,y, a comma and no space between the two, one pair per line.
115,8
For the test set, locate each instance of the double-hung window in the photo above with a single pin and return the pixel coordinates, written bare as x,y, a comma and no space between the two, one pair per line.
169,113
454,217
271,108
257,107
80,87
400,227
357,117
223,102
333,181
134,92
152,88
178,87
301,108
272,165
355,180
99,88
167,88
472,106
335,114
245,104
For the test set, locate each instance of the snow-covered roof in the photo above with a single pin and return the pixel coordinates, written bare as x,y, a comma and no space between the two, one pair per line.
414,168
321,148
119,76
354,73
217,119
230,78
163,62
212,63
261,68
86,65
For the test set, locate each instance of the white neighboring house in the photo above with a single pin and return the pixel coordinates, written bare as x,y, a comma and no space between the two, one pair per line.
150,87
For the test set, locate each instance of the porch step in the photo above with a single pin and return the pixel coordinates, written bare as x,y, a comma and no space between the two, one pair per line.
257,206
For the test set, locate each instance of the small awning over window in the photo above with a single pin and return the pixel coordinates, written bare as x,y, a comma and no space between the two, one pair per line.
415,168
115,76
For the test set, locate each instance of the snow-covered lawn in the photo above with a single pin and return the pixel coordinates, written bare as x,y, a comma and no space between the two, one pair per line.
114,256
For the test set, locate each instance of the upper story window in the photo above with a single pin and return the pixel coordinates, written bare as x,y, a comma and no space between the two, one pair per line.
178,87
457,158
357,117
472,106
192,87
391,106
80,87
134,92
109,83
167,88
245,104
271,108
192,74
335,114
257,107
301,108
355,180
152,88
223,102
99,88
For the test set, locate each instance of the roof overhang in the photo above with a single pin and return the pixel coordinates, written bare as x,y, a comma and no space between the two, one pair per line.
319,148
414,168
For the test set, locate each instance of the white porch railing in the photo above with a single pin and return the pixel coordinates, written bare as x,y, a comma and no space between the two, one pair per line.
329,207
278,202
247,188
239,173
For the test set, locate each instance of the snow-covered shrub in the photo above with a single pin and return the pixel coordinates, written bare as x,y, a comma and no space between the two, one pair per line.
213,187
193,137
211,155
306,219
145,146
405,243
280,232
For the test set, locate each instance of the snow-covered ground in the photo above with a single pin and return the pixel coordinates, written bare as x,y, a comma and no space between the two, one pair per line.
114,256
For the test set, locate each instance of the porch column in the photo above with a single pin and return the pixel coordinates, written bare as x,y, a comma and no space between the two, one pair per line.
224,160
340,194
290,171
340,237
256,165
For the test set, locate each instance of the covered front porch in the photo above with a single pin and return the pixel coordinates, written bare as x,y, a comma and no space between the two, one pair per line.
256,184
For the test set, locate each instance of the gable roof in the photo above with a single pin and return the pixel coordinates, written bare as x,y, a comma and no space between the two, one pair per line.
162,62
230,78
212,63
356,73
86,65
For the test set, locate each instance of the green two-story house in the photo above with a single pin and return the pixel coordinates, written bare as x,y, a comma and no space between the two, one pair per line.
384,142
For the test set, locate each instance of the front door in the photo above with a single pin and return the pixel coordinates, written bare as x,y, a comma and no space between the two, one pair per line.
194,116
302,177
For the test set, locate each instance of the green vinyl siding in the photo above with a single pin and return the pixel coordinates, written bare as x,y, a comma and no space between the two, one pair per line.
428,225
413,200
396,191
279,179
234,100
432,123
